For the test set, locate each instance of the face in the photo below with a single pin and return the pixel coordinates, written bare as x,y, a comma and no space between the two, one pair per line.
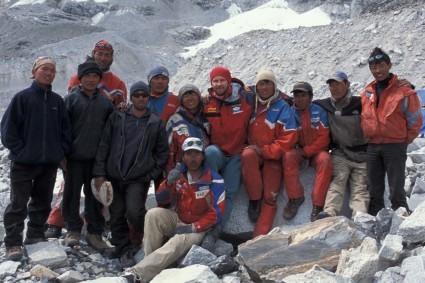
159,84
190,101
302,99
193,159
45,74
337,89
90,81
219,85
103,58
140,100
265,89
380,70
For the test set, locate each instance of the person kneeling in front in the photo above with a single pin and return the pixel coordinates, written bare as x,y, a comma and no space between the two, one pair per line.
195,199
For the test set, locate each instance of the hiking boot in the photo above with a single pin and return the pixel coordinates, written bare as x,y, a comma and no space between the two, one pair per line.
127,259
316,210
323,215
291,207
53,231
254,210
72,238
96,242
32,241
14,253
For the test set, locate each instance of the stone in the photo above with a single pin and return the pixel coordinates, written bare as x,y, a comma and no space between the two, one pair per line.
415,200
408,186
391,248
419,187
71,276
390,275
316,274
275,256
223,265
360,264
47,254
107,280
96,257
365,221
413,227
8,268
43,272
231,278
413,269
23,275
193,273
223,248
398,217
197,255
383,223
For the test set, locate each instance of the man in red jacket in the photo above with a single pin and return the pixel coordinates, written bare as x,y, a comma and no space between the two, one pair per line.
391,119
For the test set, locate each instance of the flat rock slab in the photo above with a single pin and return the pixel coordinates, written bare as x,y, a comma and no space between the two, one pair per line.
47,254
193,273
413,227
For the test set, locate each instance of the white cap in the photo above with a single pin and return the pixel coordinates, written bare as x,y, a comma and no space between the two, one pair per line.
192,143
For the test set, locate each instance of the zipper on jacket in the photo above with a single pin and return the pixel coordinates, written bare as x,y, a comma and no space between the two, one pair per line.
44,126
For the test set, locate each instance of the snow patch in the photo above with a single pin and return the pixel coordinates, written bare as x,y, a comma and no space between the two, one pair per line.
27,2
274,15
97,18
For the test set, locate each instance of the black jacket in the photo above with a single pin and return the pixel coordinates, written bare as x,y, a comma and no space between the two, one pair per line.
88,116
35,127
151,156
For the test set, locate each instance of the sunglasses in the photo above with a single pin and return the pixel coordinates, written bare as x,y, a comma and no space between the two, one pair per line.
375,58
140,94
103,45
199,143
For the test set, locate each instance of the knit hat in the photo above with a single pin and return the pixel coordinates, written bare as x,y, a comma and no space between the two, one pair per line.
158,70
40,61
103,45
304,87
139,86
88,67
221,71
186,88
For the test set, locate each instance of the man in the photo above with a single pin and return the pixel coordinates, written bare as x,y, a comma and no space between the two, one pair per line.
195,195
112,87
88,112
228,111
313,145
391,119
188,121
133,150
272,132
348,148
35,128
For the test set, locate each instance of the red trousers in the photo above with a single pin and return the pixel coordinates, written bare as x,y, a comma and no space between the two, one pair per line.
55,217
262,179
322,162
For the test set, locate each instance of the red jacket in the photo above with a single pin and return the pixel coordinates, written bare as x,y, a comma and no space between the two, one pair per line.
313,129
273,129
200,203
397,118
111,86
164,105
229,118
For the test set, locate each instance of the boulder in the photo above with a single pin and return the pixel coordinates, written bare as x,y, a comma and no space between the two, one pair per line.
275,256
197,255
107,280
223,265
193,273
415,200
419,187
8,268
316,274
390,275
413,269
398,217
391,248
71,276
47,254
43,272
413,227
223,248
383,223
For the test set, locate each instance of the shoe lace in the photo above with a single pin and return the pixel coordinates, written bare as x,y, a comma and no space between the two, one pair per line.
316,210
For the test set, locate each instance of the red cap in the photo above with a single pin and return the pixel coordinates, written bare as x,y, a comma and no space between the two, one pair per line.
221,71
103,44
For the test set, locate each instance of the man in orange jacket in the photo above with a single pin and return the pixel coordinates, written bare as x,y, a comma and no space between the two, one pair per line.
391,119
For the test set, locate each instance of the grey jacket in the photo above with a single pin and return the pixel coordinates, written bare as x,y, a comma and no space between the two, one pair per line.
347,137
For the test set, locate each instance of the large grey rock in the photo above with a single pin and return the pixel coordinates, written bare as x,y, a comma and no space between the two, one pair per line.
197,255
383,223
398,217
107,280
419,187
413,228
390,275
316,274
272,257
415,200
193,273
43,272
223,248
71,276
366,221
223,265
391,248
48,254
360,264
8,268
413,269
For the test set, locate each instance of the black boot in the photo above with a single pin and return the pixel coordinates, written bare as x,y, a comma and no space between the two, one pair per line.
254,210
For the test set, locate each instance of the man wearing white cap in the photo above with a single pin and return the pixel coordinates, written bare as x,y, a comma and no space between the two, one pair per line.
195,195
36,130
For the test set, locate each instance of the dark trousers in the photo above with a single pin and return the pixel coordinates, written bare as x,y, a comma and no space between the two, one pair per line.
128,205
389,159
28,181
79,174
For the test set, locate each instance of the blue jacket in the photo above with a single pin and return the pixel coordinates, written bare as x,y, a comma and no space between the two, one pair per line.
35,127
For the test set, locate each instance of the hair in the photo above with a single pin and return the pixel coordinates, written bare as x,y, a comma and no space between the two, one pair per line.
379,51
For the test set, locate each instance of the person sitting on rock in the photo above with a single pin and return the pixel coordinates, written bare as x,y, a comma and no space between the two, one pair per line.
312,146
272,132
195,197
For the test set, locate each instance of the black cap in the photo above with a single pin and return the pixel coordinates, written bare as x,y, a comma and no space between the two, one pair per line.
88,67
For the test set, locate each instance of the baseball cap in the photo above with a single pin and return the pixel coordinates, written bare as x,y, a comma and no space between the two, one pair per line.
338,76
303,86
158,70
192,143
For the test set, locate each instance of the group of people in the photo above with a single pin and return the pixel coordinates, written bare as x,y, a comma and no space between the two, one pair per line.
196,149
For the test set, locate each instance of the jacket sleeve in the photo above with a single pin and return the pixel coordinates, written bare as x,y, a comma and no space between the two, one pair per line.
73,82
165,195
13,119
122,87
160,153
286,136
99,166
322,138
216,211
413,113
171,162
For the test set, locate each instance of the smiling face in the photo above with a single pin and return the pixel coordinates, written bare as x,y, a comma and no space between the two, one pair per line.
380,70
302,99
89,82
140,100
190,101
338,89
219,85
45,74
159,84
103,58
